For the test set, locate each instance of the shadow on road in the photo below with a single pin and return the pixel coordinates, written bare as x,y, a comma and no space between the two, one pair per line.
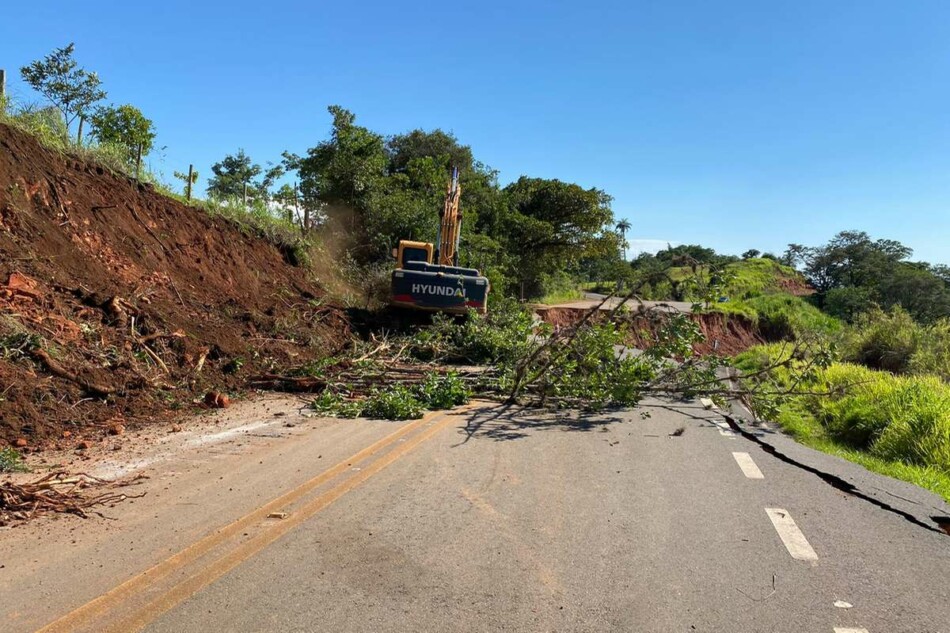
502,422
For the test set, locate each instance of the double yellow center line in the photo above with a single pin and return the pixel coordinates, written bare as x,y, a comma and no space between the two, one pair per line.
122,609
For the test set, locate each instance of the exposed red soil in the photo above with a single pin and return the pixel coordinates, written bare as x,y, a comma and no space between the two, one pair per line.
725,335
119,305
796,286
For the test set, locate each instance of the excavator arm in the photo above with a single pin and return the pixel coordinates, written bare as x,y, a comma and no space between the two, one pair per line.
450,224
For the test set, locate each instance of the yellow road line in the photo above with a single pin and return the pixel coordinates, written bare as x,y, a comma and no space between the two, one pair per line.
86,614
223,565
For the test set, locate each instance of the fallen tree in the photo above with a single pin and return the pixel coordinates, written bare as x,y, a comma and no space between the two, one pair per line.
511,357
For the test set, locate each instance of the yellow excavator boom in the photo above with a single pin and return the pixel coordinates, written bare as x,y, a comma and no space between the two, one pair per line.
450,225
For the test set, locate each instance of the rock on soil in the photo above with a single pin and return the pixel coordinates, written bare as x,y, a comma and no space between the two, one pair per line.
117,302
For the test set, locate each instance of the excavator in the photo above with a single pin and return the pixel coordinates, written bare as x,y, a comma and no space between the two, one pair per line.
427,276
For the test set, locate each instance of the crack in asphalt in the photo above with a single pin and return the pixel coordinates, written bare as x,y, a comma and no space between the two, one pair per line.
833,480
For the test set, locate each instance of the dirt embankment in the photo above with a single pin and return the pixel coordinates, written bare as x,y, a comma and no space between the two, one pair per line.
119,306
723,335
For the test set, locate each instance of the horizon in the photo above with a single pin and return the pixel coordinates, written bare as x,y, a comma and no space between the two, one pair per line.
750,128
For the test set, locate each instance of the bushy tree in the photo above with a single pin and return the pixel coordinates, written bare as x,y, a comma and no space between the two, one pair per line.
551,225
347,169
231,175
71,89
124,125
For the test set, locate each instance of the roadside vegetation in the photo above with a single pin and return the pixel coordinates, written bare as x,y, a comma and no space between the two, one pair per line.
896,425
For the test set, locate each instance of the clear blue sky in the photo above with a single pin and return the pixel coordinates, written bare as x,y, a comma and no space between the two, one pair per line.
734,124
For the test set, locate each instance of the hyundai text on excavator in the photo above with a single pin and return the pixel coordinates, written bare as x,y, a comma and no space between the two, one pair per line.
428,277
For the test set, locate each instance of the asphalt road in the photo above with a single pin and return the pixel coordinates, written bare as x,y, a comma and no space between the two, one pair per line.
592,299
495,519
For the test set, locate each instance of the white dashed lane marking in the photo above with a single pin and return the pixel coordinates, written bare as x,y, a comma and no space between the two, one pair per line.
840,629
795,542
749,469
724,428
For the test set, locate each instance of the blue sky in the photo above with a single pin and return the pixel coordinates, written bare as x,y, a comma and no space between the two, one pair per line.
734,124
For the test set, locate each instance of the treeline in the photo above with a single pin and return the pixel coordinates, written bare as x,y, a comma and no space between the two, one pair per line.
851,275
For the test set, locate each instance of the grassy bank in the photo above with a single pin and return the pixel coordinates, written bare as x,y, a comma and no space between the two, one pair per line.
894,425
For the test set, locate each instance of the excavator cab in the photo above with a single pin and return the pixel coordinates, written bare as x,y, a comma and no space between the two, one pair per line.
427,276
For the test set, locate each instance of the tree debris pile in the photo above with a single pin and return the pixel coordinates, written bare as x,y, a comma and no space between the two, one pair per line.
509,356
56,493
119,305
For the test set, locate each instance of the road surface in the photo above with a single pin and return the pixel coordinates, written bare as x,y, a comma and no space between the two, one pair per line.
664,518
592,299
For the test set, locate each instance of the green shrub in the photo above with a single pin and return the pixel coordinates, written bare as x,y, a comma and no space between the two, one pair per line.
847,302
787,317
559,287
395,403
336,405
11,461
503,334
882,340
398,402
896,418
442,391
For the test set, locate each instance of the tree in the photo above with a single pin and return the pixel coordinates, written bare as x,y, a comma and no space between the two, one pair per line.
622,227
551,225
794,255
71,89
347,169
126,126
232,176
751,253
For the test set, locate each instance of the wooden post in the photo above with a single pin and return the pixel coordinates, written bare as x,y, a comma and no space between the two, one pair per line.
191,171
3,83
305,224
138,161
245,196
79,133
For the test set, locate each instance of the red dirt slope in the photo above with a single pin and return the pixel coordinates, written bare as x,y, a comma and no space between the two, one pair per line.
723,335
118,304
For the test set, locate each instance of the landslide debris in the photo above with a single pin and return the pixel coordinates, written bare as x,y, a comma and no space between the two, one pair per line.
120,306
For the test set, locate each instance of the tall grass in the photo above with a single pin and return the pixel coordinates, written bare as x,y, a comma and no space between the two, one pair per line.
757,276
897,425
894,342
785,317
